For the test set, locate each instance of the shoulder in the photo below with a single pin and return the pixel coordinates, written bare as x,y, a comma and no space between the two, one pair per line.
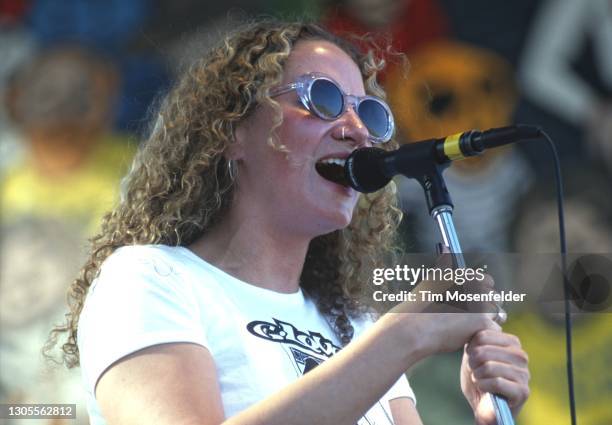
143,253
139,272
143,260
155,273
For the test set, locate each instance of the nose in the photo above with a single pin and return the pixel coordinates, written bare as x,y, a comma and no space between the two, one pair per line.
350,128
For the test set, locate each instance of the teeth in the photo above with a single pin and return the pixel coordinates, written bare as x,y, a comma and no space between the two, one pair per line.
336,161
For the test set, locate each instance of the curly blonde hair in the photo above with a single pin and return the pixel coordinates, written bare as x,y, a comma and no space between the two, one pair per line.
179,186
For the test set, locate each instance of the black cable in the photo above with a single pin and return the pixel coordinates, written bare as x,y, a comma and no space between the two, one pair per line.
566,285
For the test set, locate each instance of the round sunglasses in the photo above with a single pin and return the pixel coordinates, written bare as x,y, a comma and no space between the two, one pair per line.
323,97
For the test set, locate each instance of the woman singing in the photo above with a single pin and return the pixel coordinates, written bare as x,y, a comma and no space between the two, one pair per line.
222,287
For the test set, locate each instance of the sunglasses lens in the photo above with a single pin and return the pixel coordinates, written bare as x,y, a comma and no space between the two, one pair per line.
326,98
374,117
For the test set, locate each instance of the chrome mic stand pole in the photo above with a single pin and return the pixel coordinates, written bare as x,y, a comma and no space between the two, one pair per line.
443,215
441,209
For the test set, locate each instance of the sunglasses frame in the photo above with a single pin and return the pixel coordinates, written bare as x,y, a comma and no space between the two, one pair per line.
303,86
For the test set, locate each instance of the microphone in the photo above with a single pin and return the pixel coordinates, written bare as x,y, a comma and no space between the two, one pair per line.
370,169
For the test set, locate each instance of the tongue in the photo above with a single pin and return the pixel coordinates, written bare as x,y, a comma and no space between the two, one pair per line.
332,172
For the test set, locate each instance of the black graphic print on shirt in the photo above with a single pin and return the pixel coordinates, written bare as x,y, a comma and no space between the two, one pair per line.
308,349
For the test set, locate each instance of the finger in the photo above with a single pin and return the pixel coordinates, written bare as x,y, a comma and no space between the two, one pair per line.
476,285
501,315
483,287
496,312
511,372
486,337
490,324
515,393
489,353
434,307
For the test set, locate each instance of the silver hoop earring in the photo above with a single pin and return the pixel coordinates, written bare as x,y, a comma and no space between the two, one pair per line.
231,169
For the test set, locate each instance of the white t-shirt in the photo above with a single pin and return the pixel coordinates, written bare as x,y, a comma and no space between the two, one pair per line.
260,340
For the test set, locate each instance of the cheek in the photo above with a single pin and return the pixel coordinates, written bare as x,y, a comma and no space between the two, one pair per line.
300,131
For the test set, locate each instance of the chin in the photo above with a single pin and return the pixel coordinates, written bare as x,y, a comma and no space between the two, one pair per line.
334,221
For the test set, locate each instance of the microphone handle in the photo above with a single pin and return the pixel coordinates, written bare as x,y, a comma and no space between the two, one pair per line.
501,136
474,142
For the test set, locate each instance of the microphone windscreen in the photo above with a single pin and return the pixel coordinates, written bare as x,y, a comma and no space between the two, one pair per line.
364,170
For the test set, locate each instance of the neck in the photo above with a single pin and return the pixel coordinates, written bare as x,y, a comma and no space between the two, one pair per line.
250,249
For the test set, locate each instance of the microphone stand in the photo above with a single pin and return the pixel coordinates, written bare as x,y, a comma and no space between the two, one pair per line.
429,175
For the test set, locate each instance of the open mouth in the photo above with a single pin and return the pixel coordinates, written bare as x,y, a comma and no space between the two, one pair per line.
332,169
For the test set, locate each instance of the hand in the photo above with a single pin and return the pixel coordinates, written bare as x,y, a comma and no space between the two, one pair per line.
441,327
494,362
448,326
